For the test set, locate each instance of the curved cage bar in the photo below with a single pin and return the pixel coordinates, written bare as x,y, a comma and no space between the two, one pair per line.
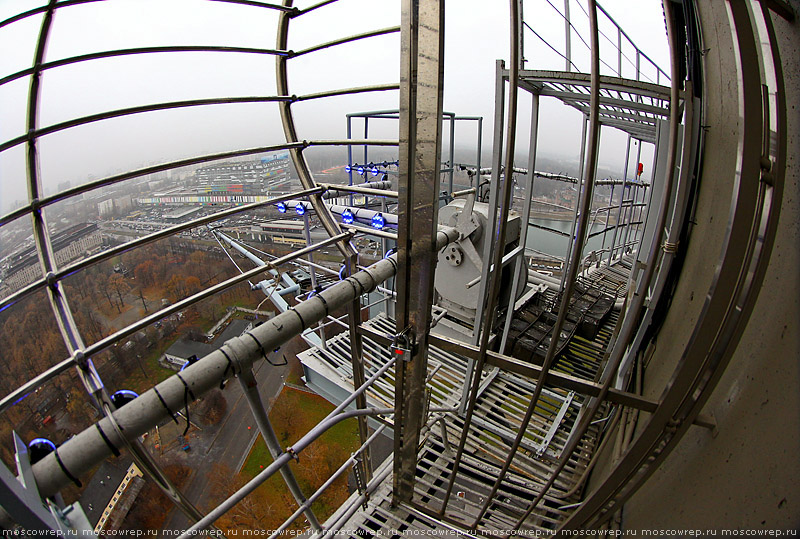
482,380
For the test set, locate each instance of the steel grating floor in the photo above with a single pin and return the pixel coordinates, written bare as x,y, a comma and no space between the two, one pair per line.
499,412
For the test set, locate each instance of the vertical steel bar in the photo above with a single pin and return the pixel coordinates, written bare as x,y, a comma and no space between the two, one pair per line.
578,189
633,197
478,156
605,227
388,297
307,234
250,389
452,153
644,211
638,61
366,147
357,360
499,114
421,96
494,188
350,156
568,37
577,248
497,237
521,262
621,199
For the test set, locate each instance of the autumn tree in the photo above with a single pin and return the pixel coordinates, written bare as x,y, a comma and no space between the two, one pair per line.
213,408
117,283
315,465
147,512
176,287
145,273
192,284
282,413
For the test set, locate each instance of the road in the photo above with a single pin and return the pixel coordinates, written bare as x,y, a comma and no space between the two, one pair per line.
232,440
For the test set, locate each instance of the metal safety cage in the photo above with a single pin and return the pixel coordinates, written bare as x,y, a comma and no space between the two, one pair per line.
82,353
484,438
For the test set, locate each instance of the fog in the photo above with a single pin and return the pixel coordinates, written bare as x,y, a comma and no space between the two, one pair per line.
475,32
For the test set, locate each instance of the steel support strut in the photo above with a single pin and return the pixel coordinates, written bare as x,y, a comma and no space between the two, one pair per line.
250,389
422,81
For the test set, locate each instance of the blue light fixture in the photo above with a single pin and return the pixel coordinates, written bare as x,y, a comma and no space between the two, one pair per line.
123,397
190,361
347,217
378,221
300,208
281,207
348,168
39,448
360,170
375,171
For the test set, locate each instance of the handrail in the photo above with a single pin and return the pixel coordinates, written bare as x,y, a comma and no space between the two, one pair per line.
570,27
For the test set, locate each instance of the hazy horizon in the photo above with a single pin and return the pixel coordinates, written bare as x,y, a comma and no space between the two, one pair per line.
99,149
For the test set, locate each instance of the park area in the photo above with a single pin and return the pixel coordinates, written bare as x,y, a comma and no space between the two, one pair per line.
294,412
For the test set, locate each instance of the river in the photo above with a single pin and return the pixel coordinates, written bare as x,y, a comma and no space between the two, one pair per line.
556,244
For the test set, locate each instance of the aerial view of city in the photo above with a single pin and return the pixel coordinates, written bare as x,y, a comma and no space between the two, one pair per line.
359,268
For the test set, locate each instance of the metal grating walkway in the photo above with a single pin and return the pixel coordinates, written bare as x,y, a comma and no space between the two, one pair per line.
500,409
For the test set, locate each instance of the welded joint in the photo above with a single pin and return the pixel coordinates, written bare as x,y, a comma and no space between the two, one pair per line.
91,380
766,175
670,246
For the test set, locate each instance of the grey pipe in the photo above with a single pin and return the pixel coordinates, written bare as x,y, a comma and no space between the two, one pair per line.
87,448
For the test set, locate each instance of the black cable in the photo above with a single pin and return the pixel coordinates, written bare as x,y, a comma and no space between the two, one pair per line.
230,366
187,392
66,472
164,403
264,352
111,446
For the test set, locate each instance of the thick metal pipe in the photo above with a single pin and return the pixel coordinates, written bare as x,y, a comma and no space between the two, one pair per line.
83,451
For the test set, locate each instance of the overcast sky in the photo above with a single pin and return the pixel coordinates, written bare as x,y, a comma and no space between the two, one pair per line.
476,35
